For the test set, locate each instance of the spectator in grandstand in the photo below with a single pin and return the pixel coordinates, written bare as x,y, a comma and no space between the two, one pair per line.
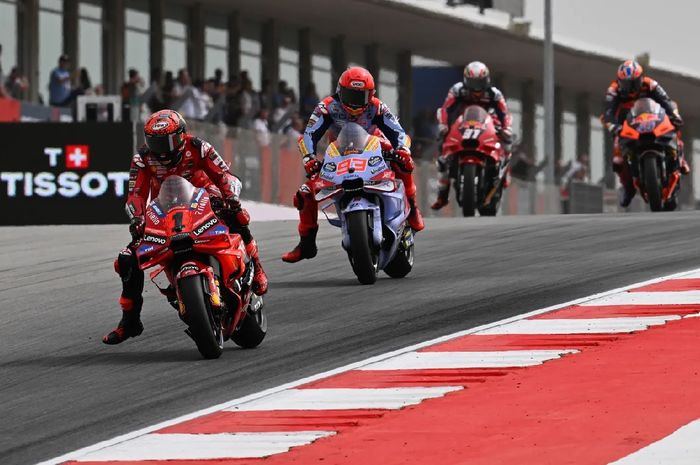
194,103
267,95
293,131
182,84
153,95
16,85
262,130
131,93
218,76
232,110
309,101
85,83
249,103
168,89
282,114
283,93
61,93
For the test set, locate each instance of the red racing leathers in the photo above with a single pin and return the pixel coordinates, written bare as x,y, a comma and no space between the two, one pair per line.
200,164
618,104
457,100
330,116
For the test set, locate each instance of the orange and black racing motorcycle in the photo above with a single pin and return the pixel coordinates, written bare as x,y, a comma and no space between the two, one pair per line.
650,143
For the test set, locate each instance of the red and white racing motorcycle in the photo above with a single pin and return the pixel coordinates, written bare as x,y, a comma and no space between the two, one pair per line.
476,161
209,274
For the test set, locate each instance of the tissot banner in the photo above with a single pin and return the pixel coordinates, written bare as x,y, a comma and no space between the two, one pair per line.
64,173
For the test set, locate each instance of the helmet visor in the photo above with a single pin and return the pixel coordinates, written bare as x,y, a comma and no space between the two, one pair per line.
354,98
478,84
165,143
630,85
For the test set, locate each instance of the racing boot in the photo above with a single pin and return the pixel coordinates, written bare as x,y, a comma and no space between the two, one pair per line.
259,276
442,199
415,218
626,196
306,248
129,326
685,168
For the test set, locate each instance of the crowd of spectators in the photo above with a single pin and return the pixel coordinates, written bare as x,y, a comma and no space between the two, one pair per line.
236,102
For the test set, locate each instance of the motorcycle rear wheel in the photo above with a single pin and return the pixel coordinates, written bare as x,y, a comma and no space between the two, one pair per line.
652,185
467,174
202,326
361,256
402,264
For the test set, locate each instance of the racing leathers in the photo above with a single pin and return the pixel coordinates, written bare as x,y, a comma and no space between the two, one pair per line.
457,100
617,106
330,115
200,164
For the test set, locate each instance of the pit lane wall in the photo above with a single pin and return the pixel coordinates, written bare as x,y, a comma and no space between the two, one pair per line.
77,173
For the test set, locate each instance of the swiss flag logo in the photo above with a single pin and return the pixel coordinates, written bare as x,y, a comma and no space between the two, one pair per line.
77,156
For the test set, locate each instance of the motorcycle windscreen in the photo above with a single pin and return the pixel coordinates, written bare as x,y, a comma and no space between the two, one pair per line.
475,113
175,192
351,139
645,105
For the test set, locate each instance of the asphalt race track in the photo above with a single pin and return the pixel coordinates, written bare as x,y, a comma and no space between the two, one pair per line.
62,389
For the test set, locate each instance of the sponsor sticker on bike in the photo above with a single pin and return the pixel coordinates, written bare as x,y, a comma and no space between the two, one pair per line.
155,239
204,227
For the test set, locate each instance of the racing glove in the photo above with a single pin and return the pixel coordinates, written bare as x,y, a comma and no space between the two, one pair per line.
506,135
311,165
402,157
613,129
676,119
136,228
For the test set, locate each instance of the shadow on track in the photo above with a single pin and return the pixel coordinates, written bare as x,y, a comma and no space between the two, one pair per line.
107,359
314,284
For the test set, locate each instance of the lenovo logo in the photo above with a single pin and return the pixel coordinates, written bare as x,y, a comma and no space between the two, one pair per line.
205,226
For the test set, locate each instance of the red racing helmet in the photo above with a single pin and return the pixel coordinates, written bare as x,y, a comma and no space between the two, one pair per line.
355,89
630,76
165,135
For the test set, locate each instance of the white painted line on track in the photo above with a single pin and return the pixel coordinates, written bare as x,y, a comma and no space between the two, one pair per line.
345,399
648,298
204,446
447,360
352,366
579,326
680,448
691,275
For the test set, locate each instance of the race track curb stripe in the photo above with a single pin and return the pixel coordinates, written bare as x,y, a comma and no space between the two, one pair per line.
414,382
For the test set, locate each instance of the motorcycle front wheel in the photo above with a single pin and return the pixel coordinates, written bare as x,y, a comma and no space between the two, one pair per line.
361,256
468,191
202,326
652,184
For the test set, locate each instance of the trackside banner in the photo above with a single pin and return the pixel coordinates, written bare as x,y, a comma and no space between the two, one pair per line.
64,173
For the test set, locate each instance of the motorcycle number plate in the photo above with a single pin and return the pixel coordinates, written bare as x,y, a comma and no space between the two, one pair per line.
471,133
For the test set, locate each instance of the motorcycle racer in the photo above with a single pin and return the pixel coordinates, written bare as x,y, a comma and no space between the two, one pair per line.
170,150
630,85
354,101
475,89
